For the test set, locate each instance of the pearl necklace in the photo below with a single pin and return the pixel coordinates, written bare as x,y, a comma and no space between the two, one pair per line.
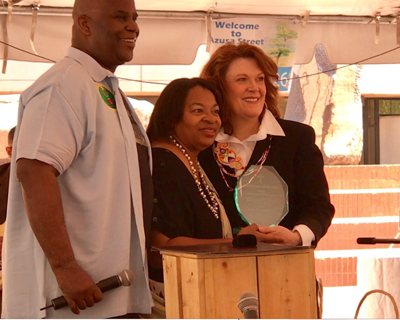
213,206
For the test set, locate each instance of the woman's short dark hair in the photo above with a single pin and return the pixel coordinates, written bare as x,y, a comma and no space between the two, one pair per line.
168,110
218,65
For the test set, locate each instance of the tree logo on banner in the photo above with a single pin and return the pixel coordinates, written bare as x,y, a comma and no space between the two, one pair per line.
279,43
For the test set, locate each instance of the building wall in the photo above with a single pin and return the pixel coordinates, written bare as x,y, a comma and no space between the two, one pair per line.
367,203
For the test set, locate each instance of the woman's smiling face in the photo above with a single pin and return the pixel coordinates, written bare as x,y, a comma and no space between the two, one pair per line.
246,88
200,122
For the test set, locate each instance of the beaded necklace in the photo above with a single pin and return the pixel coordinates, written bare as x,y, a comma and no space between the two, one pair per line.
259,163
213,206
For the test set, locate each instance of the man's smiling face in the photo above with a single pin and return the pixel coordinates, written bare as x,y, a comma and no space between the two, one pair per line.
113,32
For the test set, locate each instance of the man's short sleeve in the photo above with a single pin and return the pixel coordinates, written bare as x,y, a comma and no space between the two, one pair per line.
51,130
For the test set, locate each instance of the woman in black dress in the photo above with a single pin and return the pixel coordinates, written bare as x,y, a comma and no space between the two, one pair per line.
187,209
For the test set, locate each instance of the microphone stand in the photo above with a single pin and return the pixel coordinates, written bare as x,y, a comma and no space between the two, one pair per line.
372,240
396,237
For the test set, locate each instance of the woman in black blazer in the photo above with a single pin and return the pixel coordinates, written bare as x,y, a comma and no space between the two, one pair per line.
254,134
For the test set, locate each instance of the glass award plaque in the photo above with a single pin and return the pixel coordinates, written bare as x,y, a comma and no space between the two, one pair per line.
261,196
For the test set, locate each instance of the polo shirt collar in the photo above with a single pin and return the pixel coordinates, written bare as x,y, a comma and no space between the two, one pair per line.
96,71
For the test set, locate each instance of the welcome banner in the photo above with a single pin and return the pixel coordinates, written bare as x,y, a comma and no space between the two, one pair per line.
276,37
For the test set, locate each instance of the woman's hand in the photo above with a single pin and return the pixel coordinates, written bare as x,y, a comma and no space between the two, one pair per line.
252,229
279,234
275,234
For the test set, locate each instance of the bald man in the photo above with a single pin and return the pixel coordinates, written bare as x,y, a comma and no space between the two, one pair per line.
80,189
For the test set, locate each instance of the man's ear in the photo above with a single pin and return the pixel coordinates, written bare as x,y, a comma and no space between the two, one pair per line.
8,150
83,22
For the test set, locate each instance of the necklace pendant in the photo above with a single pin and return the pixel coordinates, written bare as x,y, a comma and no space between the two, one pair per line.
227,156
221,150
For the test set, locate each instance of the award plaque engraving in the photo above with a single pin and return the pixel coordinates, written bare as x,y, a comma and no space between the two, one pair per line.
261,196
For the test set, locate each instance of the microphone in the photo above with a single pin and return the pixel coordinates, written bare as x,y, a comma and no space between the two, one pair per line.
124,278
245,240
374,240
248,305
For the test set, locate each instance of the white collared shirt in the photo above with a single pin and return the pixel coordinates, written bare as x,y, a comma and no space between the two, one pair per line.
244,149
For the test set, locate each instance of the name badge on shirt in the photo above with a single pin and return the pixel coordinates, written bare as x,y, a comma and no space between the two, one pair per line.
107,96
227,156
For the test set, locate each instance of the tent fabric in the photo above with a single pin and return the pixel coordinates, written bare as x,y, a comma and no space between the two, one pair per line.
349,43
172,31
154,45
276,7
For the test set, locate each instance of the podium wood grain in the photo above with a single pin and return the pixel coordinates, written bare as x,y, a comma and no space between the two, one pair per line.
209,285
287,286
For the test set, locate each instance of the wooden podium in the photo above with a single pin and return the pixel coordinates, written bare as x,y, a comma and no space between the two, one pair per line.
207,281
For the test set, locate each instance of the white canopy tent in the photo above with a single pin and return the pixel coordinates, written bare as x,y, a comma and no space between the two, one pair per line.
172,31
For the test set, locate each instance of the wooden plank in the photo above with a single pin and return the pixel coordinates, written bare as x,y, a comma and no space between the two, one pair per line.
194,255
193,293
172,287
287,286
226,279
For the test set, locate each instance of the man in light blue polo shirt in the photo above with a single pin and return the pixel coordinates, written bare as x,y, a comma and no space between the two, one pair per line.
80,189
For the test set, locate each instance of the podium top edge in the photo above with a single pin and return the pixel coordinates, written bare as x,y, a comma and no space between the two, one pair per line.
229,249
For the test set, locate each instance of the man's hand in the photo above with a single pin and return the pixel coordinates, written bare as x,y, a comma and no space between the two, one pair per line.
78,288
45,212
